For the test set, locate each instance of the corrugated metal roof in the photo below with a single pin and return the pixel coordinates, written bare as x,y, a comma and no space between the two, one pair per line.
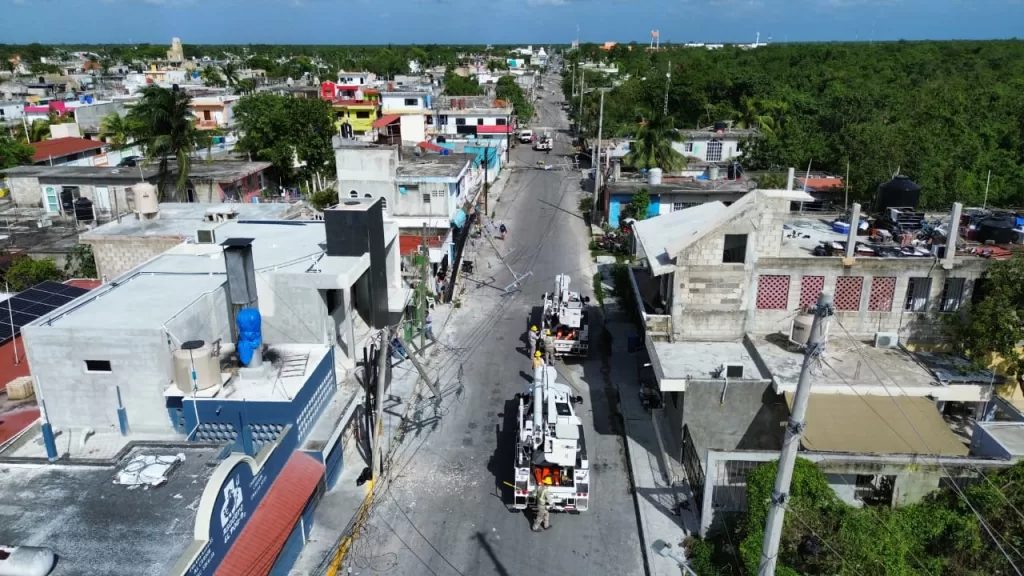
60,147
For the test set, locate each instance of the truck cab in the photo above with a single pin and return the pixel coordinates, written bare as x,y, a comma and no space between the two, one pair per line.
526,136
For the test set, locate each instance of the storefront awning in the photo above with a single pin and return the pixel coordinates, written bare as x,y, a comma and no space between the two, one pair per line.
257,547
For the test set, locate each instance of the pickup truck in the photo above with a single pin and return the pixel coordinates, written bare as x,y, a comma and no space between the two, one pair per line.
526,136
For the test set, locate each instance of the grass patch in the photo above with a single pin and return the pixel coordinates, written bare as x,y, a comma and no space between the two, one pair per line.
598,289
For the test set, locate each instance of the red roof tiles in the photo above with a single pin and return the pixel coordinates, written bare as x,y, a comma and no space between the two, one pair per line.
60,147
257,547
385,120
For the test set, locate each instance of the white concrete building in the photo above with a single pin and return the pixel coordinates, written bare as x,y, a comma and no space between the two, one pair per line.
718,143
115,346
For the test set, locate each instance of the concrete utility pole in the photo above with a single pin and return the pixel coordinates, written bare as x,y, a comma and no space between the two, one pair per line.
597,156
378,409
579,119
487,187
794,431
424,277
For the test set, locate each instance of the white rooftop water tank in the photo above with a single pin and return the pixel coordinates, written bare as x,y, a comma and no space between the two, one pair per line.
654,176
207,368
147,202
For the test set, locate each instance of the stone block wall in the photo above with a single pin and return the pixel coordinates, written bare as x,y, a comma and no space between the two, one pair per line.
117,255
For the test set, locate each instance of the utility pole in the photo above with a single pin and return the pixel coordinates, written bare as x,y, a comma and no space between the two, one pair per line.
508,139
424,277
487,186
378,409
579,118
597,157
794,431
668,86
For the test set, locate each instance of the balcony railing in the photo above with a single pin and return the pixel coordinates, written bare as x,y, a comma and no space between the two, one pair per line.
657,327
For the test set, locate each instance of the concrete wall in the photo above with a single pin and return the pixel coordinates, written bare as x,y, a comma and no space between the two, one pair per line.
698,148
411,203
367,171
712,300
29,193
116,255
140,365
208,319
92,116
414,128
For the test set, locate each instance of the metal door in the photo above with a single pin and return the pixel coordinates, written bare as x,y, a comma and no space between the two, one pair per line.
101,196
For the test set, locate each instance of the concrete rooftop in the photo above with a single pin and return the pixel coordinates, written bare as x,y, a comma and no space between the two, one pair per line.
98,527
292,365
678,364
433,166
183,218
869,371
657,235
82,173
1009,434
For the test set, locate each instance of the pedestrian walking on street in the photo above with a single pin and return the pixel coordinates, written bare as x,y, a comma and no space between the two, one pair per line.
503,230
549,348
533,340
428,327
542,517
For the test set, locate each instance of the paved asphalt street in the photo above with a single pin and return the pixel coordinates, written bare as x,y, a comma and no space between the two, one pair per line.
443,512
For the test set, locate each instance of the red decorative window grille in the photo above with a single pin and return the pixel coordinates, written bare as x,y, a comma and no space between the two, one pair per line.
848,290
882,291
772,292
810,287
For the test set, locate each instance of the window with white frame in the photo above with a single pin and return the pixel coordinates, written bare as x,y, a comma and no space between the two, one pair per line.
918,290
438,193
677,206
952,294
688,147
426,197
714,151
411,102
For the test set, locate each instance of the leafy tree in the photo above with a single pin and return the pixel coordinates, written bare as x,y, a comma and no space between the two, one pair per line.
80,262
245,86
276,129
211,76
13,153
507,89
230,72
455,85
117,130
25,273
163,124
43,68
323,199
640,204
993,325
653,146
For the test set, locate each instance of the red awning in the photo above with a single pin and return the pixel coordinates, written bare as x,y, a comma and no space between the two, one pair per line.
494,129
432,147
411,244
385,120
257,547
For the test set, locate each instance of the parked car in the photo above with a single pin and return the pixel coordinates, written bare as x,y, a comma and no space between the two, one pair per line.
129,161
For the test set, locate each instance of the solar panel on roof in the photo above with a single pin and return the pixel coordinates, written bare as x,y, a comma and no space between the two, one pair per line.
28,305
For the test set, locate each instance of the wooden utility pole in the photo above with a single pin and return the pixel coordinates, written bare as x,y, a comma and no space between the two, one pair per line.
424,284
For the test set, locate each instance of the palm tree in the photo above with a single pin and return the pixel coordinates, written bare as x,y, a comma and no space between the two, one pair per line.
765,115
230,71
117,130
653,146
211,76
163,123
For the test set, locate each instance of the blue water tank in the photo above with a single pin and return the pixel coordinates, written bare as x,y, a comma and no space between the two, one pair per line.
88,99
250,334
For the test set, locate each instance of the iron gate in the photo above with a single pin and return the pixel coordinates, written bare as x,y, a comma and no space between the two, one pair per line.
694,470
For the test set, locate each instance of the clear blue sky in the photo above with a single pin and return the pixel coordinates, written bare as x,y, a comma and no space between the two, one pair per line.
502,21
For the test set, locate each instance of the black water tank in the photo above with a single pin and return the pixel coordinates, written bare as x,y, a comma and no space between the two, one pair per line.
720,126
83,210
900,192
998,228
67,199
735,171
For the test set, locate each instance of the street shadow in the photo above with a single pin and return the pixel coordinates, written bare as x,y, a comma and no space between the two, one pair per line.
560,209
598,373
525,376
482,539
502,462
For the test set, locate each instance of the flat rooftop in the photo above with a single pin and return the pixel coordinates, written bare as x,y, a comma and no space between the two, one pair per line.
433,166
877,425
1009,434
225,171
181,219
98,527
82,173
291,366
678,364
852,367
